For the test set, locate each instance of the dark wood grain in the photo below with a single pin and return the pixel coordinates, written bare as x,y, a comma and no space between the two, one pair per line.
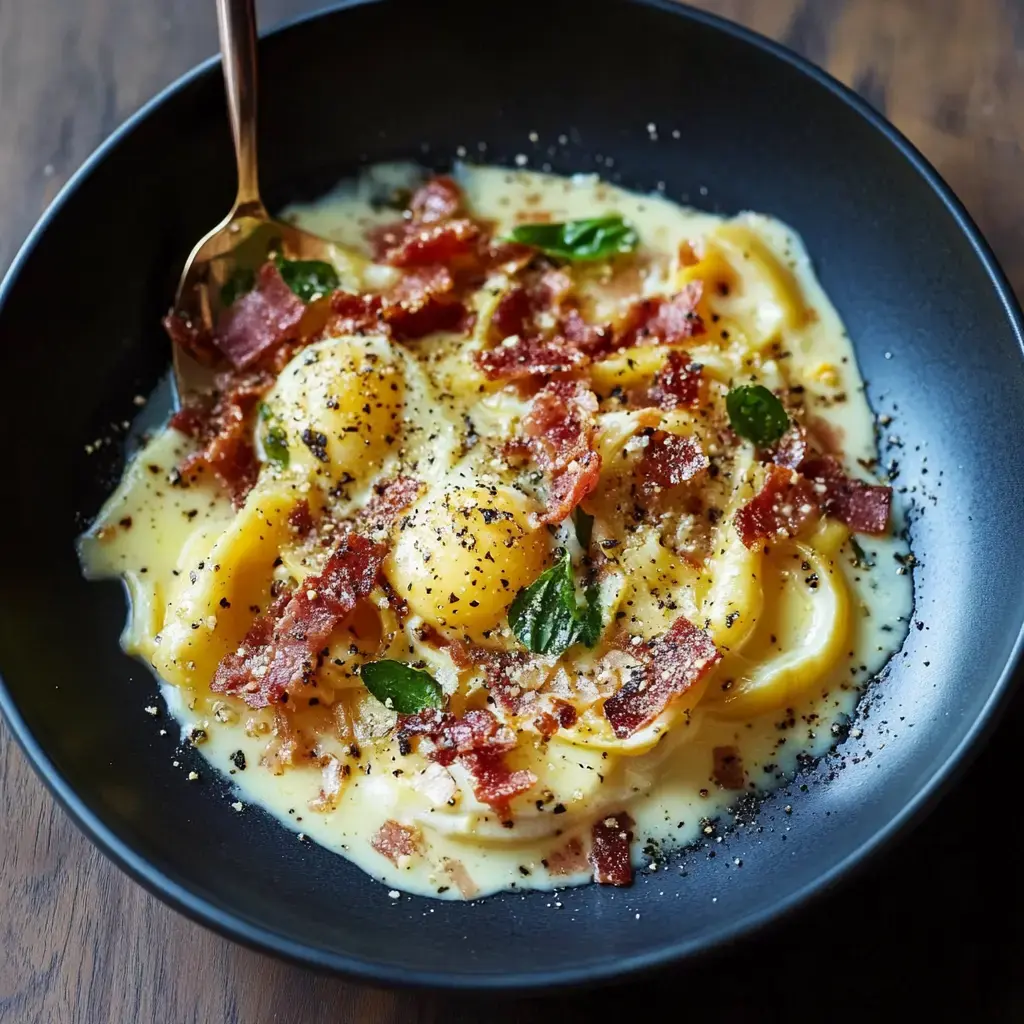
942,914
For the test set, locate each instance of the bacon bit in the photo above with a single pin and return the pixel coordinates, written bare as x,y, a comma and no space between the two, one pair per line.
670,459
663,321
397,842
260,320
789,451
727,767
533,334
677,384
191,338
609,853
353,314
528,357
570,487
494,782
222,424
457,872
863,507
300,519
333,775
502,668
282,648
779,509
671,665
569,860
567,715
479,741
546,724
559,429
390,498
424,244
436,200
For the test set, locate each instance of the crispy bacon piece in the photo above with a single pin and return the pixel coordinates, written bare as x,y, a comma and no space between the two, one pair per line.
677,384
561,716
191,338
300,519
863,507
390,498
534,334
670,459
260,320
609,851
789,451
432,231
727,767
546,724
779,509
436,200
354,314
423,301
567,860
670,665
502,669
663,321
424,244
559,429
222,424
479,742
282,648
396,841
529,357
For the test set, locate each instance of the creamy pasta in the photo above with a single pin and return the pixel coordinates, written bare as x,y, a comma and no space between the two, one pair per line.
518,540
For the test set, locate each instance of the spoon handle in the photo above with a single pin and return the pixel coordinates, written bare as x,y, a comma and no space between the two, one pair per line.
236,20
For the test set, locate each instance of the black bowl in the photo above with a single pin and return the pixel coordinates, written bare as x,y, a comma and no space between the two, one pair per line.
739,124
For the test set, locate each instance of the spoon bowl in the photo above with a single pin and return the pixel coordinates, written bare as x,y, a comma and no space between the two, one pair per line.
225,260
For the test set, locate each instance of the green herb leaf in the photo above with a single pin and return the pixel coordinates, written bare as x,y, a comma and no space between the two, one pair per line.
545,616
594,239
756,414
309,279
591,626
275,438
238,284
584,525
401,687
275,444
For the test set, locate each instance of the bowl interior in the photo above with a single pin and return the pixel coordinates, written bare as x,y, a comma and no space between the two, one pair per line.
734,127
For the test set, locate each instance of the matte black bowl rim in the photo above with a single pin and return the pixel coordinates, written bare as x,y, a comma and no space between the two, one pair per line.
264,940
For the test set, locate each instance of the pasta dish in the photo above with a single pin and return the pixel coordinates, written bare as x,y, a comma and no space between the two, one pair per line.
512,546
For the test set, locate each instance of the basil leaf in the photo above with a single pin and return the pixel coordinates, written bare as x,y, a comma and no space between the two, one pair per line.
242,281
309,279
584,525
594,239
756,414
275,439
545,616
401,687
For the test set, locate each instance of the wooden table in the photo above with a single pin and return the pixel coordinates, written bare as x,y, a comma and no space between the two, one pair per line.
939,920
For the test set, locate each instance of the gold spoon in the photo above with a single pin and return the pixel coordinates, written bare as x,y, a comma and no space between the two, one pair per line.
248,236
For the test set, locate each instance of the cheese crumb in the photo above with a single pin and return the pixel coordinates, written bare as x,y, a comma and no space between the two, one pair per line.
152,709
193,776
238,805
394,894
